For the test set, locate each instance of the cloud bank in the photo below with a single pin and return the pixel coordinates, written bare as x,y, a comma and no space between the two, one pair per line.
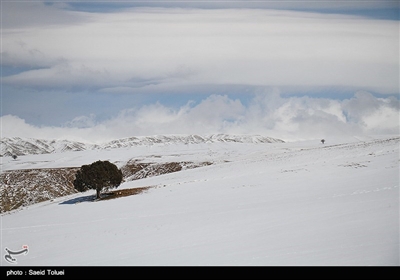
270,114
109,70
138,49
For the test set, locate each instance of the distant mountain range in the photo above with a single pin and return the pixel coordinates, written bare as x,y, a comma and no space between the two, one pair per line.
30,146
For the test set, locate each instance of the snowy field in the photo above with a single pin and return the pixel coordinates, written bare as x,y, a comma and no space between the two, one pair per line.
267,204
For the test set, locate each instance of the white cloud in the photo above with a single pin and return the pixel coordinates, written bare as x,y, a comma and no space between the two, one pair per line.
373,114
222,51
268,114
82,122
63,76
159,46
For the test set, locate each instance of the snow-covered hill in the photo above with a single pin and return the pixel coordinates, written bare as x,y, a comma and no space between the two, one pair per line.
299,203
29,146
29,184
24,187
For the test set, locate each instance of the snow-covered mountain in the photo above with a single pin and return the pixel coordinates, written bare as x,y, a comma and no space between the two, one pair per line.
30,146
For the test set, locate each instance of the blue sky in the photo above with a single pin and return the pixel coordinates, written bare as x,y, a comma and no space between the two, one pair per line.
372,9
95,71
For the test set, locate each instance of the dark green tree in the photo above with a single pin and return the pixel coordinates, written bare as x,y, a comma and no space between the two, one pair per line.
100,175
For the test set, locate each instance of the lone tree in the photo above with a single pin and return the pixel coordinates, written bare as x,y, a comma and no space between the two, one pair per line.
99,175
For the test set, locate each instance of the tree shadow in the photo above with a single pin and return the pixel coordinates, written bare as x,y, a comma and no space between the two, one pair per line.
88,198
106,195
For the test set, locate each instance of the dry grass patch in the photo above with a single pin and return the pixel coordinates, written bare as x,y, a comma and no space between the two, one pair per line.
122,193
19,188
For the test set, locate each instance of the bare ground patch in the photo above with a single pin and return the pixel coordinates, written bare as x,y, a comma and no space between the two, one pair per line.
21,188
121,193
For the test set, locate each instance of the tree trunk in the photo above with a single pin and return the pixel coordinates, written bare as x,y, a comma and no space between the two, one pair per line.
97,193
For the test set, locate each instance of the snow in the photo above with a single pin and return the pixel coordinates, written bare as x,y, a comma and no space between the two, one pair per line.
258,204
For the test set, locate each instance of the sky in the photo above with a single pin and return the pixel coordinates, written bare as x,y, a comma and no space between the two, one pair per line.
96,71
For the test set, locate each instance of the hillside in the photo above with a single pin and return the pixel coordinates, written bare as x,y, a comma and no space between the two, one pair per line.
29,184
299,203
21,188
